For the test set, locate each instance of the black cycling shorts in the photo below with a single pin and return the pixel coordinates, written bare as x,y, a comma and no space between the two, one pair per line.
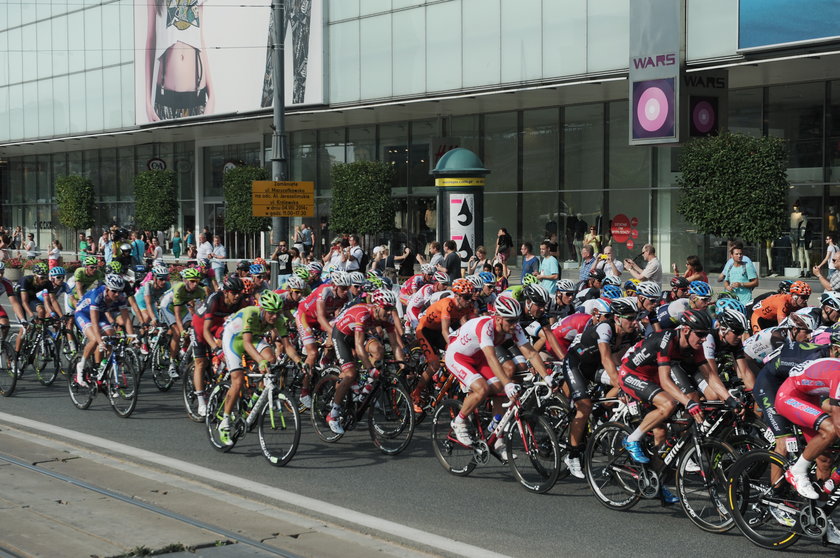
509,351
578,376
344,345
684,379
640,389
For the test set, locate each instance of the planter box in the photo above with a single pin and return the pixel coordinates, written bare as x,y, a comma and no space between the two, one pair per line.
13,274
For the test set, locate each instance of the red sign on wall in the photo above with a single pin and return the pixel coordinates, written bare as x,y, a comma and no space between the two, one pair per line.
620,228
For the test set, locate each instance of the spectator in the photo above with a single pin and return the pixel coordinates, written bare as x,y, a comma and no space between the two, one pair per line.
380,258
83,246
435,257
138,249
155,249
741,278
101,242
477,261
504,243
832,283
553,246
297,259
54,255
92,246
307,237
652,270
501,280
17,238
587,262
31,247
161,240
176,245
451,260
355,255
108,248
5,252
297,240
729,262
831,249
593,239
608,264
217,259
530,263
549,271
192,252
189,239
407,261
204,247
693,270
284,258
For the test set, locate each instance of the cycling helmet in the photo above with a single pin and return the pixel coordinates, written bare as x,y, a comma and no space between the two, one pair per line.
40,269
256,269
601,306
57,271
727,294
113,267
679,283
784,286
301,273
649,289
204,262
340,279
243,265
630,286
800,288
356,278
529,279
597,274
2,266
507,307
802,321
697,320
487,277
387,283
125,247
114,282
441,277
830,299
462,287
626,307
233,284
729,304
476,281
374,274
90,260
700,288
270,301
369,287
734,320
612,292
249,285
834,339
190,273
295,283
612,280
317,266
260,261
377,282
384,298
537,294
427,269
564,286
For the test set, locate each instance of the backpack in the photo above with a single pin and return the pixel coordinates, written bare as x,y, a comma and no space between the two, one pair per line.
363,263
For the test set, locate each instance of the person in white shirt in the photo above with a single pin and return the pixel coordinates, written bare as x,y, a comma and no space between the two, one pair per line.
355,256
217,257
31,247
204,247
607,262
652,270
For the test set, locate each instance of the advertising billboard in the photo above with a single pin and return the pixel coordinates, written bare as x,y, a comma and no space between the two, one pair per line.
202,57
779,23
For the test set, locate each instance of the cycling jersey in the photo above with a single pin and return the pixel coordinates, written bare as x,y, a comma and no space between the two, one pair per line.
360,318
95,299
215,311
771,311
566,330
639,370
178,295
762,344
247,320
30,287
308,307
154,293
485,303
8,288
80,277
668,315
57,291
410,287
289,305
798,399
444,308
587,293
465,356
418,301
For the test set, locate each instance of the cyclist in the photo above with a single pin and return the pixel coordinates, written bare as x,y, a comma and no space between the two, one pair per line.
148,296
535,322
244,334
27,289
85,277
207,325
293,291
419,301
590,288
783,288
414,282
354,339
485,295
611,331
92,318
562,306
725,342
175,308
116,269
49,297
7,287
260,280
243,268
471,357
648,295
772,310
679,289
565,332
699,298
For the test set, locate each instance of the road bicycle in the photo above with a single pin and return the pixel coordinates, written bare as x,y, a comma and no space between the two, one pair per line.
117,376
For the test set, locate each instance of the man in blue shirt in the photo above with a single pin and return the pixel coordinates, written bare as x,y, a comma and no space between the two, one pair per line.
549,269
587,263
741,278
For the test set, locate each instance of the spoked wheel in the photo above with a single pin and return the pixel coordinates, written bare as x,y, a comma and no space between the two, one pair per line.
322,398
20,361
455,457
533,453
766,511
82,396
44,360
609,469
391,418
215,413
701,484
63,355
279,430
160,366
8,376
188,392
124,386
558,414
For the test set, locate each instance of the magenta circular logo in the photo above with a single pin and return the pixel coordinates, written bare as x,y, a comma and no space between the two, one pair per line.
652,109
703,117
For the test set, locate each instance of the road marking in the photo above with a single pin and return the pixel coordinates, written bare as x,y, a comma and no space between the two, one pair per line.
342,514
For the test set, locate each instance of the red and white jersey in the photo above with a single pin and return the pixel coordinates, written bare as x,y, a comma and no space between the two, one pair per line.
478,333
566,329
6,287
360,317
818,377
308,307
420,298
410,287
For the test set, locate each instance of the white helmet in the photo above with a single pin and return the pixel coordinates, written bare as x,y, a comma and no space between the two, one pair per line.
507,307
566,286
427,269
340,278
357,278
114,282
649,289
295,283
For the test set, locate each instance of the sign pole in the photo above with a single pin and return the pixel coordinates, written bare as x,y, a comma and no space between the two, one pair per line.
279,157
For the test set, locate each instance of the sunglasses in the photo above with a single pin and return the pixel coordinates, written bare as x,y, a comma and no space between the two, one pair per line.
700,334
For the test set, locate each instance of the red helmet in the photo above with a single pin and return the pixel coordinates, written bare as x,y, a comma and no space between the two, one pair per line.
462,287
800,288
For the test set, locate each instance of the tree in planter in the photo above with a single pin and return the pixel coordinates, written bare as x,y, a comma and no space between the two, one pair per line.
155,200
735,186
361,198
238,200
74,198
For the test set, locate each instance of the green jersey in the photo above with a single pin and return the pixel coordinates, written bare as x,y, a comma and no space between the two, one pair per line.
85,280
516,291
248,320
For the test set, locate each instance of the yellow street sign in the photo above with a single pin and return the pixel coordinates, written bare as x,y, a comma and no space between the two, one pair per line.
283,199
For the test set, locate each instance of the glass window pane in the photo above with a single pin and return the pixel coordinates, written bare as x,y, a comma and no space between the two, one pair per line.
112,104
711,28
362,144
465,129
30,109
109,189
482,45
745,111
331,151
409,53
564,38
374,6
343,9
127,82
15,112
4,113
185,169
608,36
44,48
795,112
393,149
4,54
344,61
74,163
126,38
76,41
111,31
45,104
60,45
419,177
303,154
91,168
94,93
497,214
376,76
15,56
45,186
540,174
500,148
443,42
29,47
629,166
61,114
93,37
521,40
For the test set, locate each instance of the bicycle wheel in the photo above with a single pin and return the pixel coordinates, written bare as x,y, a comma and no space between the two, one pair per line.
215,413
761,507
558,414
533,453
391,418
609,469
62,356
279,430
123,386
82,396
455,457
8,376
322,398
44,356
160,365
701,484
188,393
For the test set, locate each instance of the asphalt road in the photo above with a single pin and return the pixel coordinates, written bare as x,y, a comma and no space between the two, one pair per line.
487,509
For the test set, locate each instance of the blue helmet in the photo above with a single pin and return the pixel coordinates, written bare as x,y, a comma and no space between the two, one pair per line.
612,292
256,269
487,277
724,304
57,271
700,288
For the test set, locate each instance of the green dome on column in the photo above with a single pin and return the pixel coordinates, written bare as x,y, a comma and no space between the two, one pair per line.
461,162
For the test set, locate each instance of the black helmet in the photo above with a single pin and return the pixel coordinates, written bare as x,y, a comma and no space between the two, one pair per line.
537,294
697,320
734,320
597,274
625,307
784,286
679,283
233,284
243,265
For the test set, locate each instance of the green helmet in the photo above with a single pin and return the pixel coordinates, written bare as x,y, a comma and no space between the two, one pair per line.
270,301
114,267
529,279
40,269
191,273
303,273
91,260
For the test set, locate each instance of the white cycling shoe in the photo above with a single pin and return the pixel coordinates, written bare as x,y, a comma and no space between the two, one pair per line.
335,424
575,469
462,433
